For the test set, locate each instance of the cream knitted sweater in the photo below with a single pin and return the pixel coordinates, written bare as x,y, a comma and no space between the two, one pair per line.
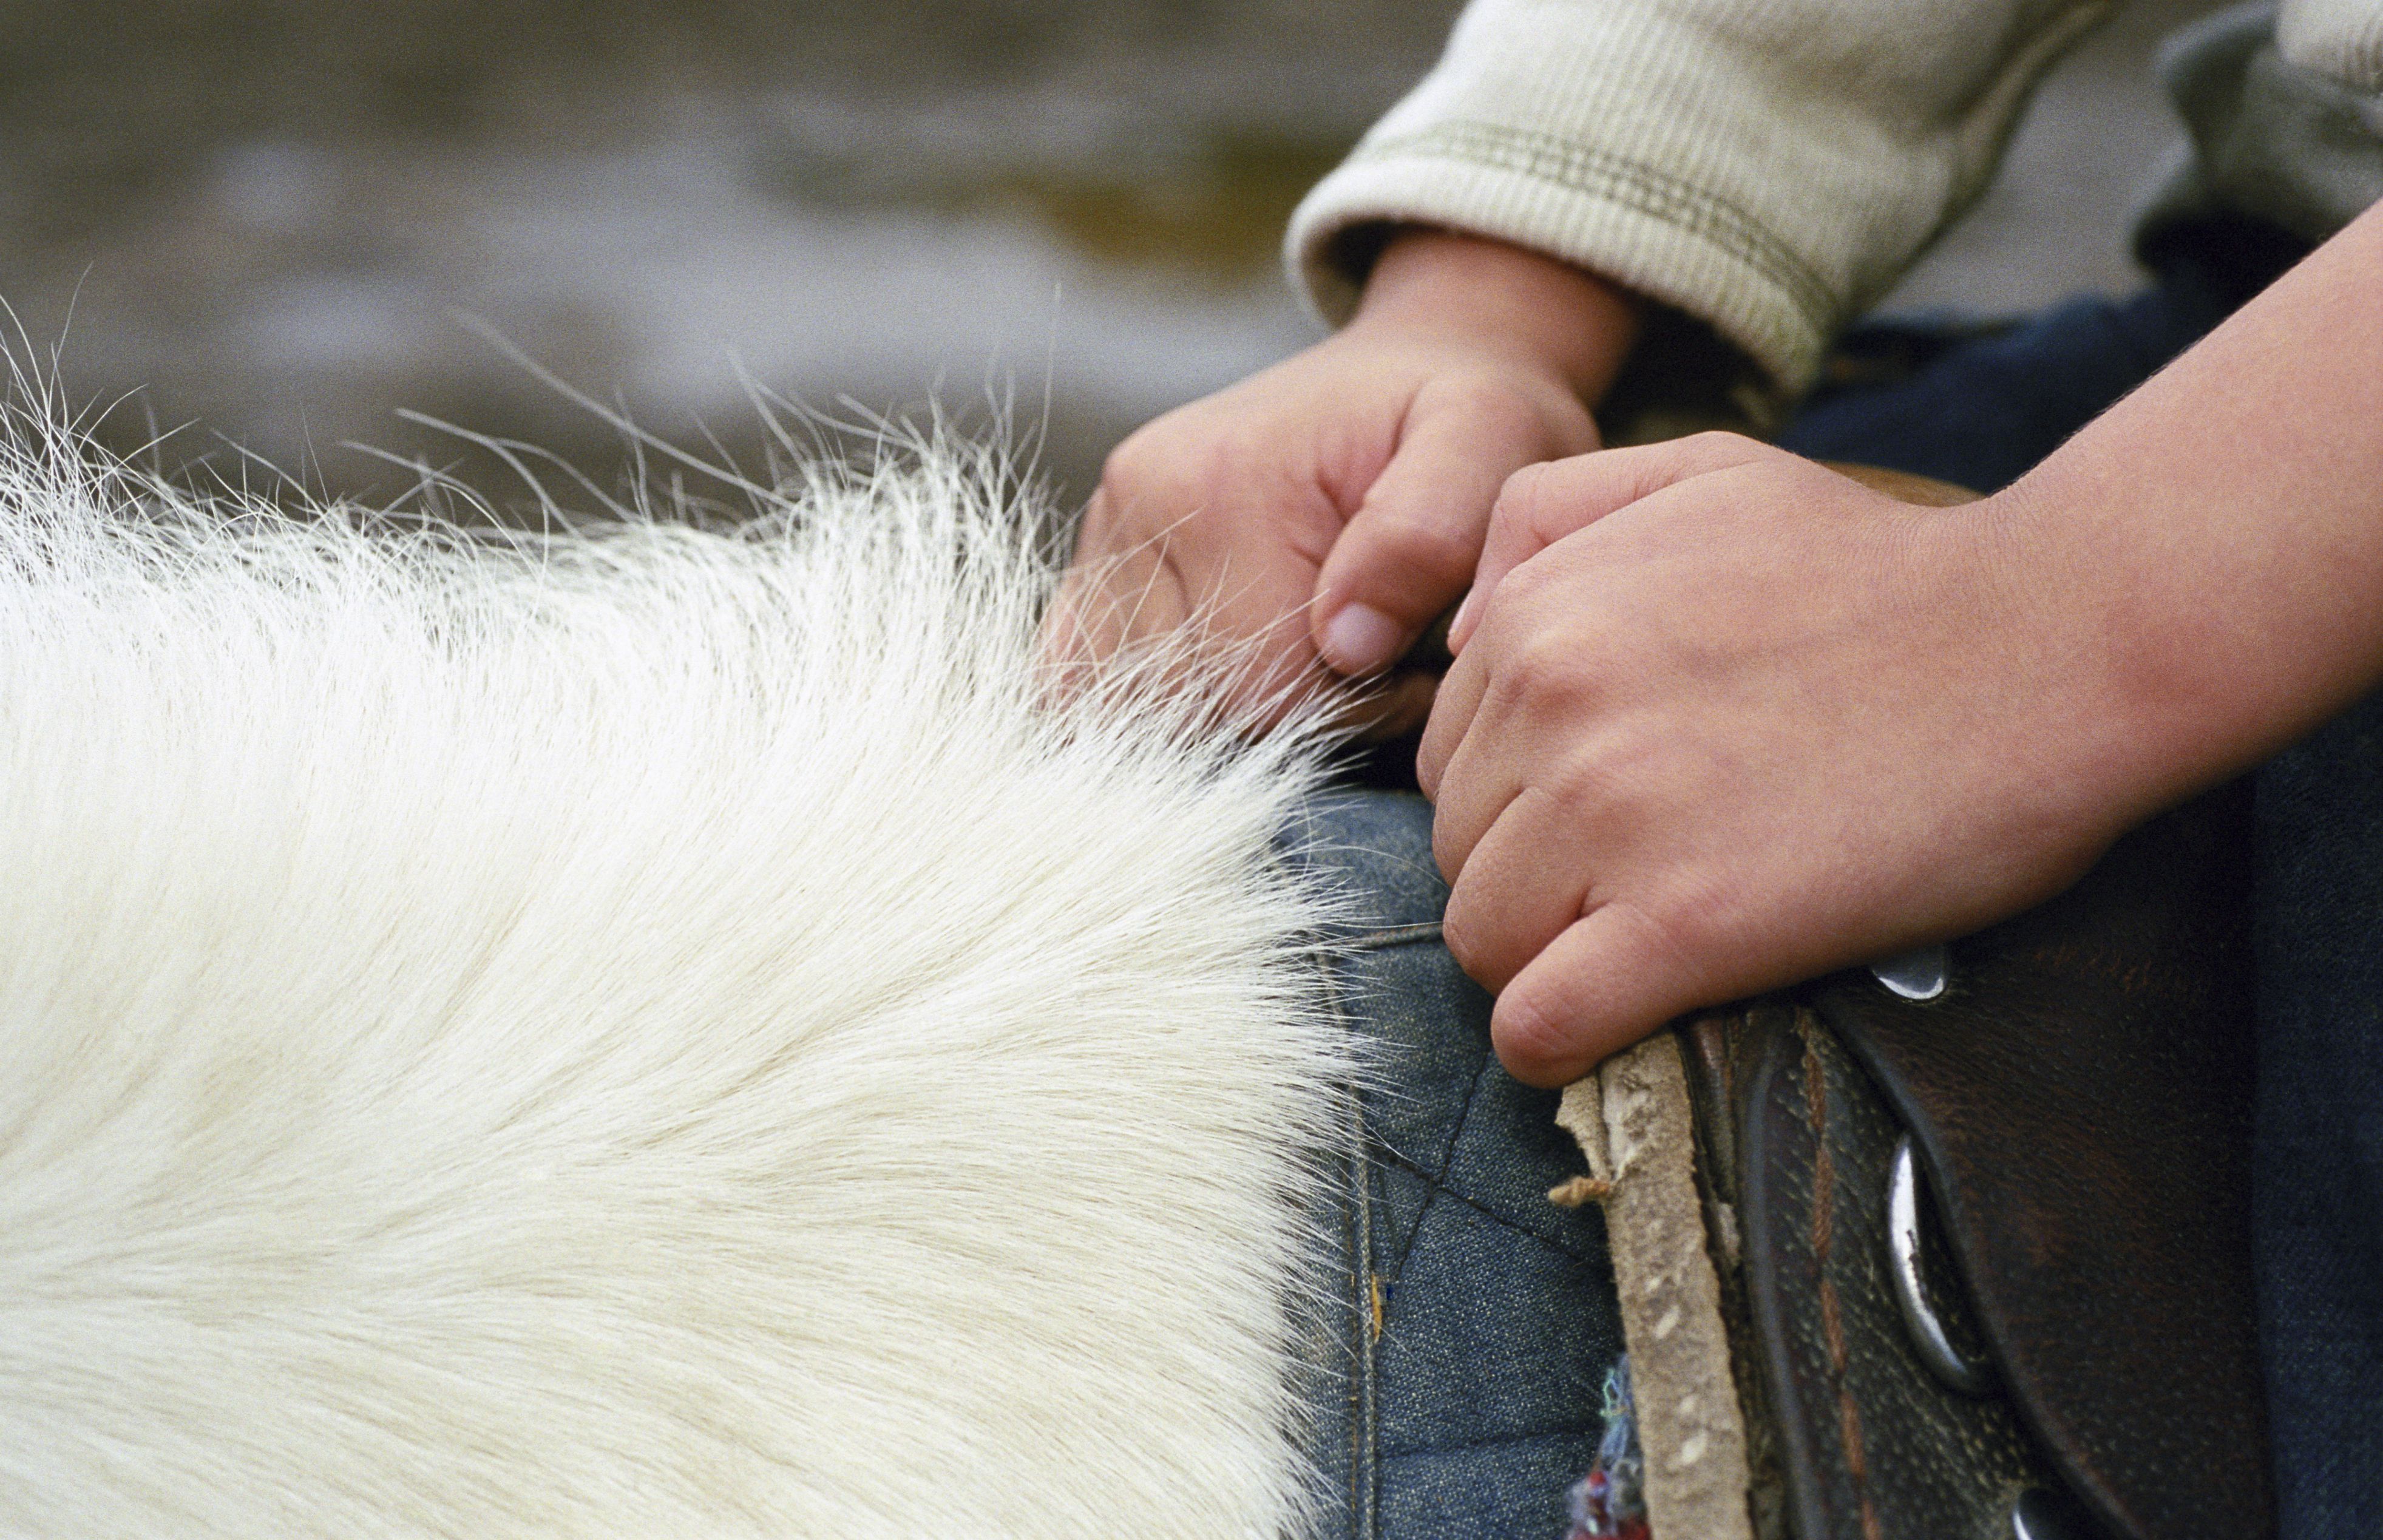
1767,165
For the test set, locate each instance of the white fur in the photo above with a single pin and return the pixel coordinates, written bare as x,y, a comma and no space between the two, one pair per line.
644,1033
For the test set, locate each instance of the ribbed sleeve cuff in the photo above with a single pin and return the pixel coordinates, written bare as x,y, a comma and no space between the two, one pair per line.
1645,229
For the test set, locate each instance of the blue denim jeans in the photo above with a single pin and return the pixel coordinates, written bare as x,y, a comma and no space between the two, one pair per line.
1468,1323
2317,1154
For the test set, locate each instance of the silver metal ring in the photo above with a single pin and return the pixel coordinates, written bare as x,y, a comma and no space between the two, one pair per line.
1919,974
1971,1373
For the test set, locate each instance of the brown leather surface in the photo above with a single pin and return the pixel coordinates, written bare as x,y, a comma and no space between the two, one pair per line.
1875,1447
2080,1097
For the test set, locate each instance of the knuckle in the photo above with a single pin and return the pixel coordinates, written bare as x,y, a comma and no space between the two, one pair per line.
1544,672
1159,475
1719,443
1214,463
1422,546
1716,449
1129,465
1680,933
1482,943
1519,594
1516,495
1461,932
1445,855
1095,530
1525,587
1584,784
1491,400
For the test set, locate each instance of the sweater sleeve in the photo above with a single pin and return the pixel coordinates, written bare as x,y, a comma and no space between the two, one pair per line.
2341,40
1766,166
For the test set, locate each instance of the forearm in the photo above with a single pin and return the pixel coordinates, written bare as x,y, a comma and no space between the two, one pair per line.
2217,537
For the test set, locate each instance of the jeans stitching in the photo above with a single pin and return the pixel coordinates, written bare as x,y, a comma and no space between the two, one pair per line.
1438,1187
1439,1182
1363,1480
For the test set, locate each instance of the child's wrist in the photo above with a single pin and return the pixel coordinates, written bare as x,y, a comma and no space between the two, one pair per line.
1507,299
2145,716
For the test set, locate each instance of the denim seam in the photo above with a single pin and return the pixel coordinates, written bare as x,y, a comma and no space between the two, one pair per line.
1441,1188
1363,1477
1389,936
1439,1182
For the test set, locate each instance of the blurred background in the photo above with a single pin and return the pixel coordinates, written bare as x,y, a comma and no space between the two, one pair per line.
267,218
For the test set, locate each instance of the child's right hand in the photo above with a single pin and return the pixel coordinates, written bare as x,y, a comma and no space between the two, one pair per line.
1330,507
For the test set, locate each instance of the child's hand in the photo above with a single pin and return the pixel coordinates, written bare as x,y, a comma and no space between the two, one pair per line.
1334,506
1724,718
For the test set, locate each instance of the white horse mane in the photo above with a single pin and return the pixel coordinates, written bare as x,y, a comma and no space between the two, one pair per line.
642,1032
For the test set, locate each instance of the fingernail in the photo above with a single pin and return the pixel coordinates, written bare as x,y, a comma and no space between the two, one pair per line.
1460,624
1361,639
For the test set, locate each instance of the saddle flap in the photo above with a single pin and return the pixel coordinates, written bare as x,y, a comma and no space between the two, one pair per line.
2078,1095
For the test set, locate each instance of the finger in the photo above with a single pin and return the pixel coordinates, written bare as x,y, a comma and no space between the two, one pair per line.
1482,777
1612,976
1452,710
1541,505
1112,605
1066,638
1091,613
1523,886
1185,599
1130,620
1409,550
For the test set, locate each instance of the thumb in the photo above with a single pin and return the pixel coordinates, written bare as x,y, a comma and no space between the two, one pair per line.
1409,550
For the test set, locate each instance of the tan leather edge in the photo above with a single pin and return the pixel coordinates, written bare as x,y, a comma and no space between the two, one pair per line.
1632,1120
